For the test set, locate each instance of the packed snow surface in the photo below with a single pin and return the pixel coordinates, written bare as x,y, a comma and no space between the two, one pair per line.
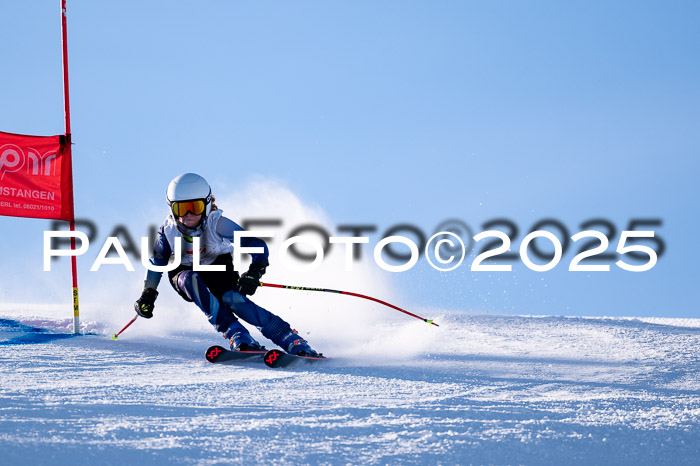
477,389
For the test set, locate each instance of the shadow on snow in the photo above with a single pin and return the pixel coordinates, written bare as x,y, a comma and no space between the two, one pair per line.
17,333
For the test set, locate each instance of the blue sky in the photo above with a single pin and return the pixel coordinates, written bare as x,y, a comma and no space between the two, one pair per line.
381,113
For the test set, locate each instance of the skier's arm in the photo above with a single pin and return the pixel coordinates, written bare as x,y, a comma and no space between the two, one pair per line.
161,255
250,280
226,228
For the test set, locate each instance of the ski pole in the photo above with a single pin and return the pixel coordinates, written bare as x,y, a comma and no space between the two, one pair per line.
115,335
326,290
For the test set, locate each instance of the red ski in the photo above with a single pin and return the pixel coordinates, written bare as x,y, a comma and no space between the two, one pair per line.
221,355
278,358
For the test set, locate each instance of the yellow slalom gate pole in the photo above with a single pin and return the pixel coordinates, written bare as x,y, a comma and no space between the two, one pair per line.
66,106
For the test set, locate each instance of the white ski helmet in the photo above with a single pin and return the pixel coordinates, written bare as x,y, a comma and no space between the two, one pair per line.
189,187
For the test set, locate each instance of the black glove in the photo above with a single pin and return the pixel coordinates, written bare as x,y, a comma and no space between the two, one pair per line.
250,280
145,304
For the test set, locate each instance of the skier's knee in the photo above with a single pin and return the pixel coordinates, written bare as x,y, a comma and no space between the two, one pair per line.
184,284
233,298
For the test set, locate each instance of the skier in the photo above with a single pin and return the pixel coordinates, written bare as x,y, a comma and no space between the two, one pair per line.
220,294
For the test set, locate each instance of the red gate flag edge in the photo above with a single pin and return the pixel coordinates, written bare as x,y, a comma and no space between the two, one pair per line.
36,176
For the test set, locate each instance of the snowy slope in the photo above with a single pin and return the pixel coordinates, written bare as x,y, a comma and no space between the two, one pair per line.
478,389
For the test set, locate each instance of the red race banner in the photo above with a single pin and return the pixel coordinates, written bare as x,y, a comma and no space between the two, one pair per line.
36,177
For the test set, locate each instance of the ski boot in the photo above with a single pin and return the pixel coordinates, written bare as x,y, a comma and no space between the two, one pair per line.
294,344
244,341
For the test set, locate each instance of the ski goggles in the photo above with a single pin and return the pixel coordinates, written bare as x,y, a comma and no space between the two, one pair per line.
196,207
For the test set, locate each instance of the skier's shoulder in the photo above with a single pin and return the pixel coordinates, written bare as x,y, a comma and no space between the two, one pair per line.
169,225
215,216
222,224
